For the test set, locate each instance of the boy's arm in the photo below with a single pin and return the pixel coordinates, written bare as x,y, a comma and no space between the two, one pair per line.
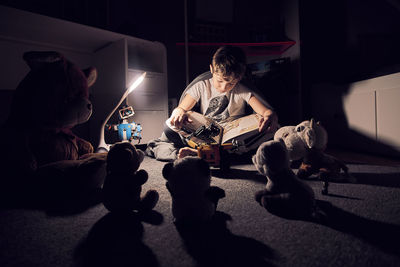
269,120
178,116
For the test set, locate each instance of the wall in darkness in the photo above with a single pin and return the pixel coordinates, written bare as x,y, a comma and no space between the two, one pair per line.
240,22
347,41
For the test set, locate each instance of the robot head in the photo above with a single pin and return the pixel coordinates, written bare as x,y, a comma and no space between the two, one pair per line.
125,112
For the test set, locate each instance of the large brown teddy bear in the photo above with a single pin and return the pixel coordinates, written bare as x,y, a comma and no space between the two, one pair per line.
51,99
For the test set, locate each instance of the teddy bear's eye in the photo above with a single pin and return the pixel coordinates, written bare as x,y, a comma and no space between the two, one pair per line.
299,128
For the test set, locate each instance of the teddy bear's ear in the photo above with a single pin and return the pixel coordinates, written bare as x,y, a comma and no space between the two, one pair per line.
167,170
91,75
37,59
140,154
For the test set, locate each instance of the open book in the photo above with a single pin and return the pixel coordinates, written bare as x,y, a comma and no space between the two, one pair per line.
202,129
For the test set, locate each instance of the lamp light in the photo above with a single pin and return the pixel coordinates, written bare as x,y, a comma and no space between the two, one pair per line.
103,146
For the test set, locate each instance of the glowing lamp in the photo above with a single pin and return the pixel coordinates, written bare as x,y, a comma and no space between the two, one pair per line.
102,143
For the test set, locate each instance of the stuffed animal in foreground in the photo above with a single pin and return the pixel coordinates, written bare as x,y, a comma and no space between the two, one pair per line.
123,183
193,199
285,194
39,148
307,142
51,99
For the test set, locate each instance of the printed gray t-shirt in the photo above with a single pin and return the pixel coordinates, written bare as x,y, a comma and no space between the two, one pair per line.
222,107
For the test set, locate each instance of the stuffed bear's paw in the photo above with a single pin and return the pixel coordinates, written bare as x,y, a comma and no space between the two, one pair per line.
141,176
84,147
215,193
149,201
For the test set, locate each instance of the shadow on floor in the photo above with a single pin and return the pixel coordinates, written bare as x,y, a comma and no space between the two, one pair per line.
116,240
214,245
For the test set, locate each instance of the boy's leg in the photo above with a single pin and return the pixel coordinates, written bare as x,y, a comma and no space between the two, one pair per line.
178,140
173,136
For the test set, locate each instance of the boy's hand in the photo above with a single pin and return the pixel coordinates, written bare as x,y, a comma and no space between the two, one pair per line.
268,122
178,117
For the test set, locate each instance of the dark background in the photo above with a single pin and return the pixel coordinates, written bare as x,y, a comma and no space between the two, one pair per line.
340,41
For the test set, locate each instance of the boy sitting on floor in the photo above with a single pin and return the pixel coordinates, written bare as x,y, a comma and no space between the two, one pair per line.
222,98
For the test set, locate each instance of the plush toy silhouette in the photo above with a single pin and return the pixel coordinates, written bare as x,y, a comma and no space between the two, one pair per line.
285,194
193,199
123,184
39,149
307,142
51,99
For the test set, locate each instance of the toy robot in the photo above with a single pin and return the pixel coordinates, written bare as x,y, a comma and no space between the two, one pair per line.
127,131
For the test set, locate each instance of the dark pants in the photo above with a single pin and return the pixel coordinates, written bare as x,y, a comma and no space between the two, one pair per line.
173,136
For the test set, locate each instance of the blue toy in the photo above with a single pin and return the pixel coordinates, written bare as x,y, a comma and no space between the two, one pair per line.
127,131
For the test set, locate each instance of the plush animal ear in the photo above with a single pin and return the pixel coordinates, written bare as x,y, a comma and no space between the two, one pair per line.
37,59
312,123
140,154
91,75
309,137
320,135
167,170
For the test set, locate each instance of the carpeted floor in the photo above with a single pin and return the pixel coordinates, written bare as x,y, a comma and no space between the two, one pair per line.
363,228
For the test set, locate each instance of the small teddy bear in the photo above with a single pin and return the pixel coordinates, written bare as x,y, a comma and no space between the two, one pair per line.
284,193
193,199
123,183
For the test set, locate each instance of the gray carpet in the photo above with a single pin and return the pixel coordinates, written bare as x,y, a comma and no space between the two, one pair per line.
363,228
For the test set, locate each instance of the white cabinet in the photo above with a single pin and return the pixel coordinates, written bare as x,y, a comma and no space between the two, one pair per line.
114,55
372,108
363,115
359,108
388,115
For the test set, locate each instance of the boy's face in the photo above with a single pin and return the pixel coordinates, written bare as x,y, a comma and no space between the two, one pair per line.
222,83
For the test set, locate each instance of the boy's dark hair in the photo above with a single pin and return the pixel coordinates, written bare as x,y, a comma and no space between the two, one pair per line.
230,61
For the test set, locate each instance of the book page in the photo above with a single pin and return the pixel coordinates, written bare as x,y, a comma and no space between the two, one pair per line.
244,125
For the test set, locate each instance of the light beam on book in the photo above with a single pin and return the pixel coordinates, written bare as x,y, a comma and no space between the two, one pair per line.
103,146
